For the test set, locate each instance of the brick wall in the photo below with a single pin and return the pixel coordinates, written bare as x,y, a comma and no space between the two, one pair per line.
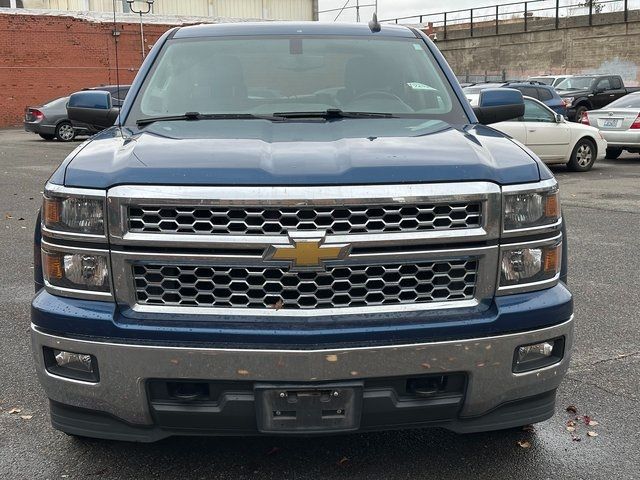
44,57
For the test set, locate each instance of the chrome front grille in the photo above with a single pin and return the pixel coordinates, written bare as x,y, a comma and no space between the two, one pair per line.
210,250
337,287
344,220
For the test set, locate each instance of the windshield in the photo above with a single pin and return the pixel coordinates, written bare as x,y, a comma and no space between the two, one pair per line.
575,83
267,75
628,101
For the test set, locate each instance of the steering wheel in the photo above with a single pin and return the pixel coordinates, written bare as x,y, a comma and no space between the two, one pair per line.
377,94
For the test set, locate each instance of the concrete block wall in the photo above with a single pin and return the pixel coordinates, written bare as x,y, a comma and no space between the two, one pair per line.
45,57
612,48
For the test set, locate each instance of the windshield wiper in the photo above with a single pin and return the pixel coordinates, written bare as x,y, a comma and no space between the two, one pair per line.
333,113
143,122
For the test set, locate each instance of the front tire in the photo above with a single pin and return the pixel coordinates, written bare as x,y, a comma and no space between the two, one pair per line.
613,153
65,132
583,156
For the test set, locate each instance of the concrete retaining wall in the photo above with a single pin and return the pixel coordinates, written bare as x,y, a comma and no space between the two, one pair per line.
613,48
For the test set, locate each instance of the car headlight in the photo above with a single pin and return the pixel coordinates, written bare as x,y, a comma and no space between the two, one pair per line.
76,269
568,101
81,214
530,266
531,208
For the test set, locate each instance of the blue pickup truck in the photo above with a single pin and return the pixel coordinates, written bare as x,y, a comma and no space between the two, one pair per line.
299,228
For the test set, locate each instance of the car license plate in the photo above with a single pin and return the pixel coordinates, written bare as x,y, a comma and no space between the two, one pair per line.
610,123
308,409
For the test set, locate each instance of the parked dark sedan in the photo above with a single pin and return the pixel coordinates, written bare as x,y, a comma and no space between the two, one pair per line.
50,119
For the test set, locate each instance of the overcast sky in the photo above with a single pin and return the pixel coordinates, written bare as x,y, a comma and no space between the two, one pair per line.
398,8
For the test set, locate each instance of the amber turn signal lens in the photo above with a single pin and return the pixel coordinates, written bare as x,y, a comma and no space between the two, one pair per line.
52,264
52,210
552,259
552,206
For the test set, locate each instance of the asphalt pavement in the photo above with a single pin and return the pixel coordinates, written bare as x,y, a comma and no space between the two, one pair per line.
602,209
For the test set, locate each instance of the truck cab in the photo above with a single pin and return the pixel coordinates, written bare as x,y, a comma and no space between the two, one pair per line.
295,229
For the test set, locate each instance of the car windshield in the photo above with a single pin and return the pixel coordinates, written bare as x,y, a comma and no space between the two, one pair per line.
628,101
575,83
269,75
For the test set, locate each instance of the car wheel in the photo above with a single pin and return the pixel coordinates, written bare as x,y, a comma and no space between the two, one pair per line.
65,132
47,136
583,156
613,153
580,109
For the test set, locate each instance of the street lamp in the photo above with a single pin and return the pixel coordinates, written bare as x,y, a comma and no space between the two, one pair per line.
141,12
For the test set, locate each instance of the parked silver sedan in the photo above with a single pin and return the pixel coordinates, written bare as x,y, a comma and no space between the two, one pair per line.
619,124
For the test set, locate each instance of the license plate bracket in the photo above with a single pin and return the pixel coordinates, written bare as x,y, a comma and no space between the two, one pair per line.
308,409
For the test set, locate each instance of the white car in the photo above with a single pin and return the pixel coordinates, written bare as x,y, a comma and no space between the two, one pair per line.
619,124
554,139
552,80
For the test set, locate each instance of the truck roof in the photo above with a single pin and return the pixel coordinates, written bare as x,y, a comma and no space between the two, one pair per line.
290,28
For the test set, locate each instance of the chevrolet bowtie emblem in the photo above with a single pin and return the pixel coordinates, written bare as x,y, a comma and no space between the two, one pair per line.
307,251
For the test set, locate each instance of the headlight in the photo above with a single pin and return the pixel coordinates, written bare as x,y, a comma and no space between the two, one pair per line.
568,101
530,266
529,209
76,270
74,214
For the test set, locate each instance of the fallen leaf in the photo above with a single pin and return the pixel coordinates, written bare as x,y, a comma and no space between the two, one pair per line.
591,433
524,444
571,423
26,417
20,219
528,428
14,410
572,409
576,439
592,423
8,216
279,304
273,451
343,461
571,429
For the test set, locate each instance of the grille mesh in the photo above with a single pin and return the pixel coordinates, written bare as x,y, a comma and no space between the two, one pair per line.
277,220
344,286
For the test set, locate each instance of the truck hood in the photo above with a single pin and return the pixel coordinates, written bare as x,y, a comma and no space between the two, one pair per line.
573,93
259,152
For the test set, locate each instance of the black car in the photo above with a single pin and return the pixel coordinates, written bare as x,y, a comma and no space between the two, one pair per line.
591,92
50,119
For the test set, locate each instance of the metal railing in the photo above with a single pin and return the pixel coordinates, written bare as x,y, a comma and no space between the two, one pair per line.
532,15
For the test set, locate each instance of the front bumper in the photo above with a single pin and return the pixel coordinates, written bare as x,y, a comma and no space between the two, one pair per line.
125,369
622,139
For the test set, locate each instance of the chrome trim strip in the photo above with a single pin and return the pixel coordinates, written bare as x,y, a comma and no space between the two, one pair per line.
543,185
538,230
56,190
529,287
83,237
74,292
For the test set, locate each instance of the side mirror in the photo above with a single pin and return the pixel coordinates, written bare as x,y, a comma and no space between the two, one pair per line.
559,118
92,109
499,105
